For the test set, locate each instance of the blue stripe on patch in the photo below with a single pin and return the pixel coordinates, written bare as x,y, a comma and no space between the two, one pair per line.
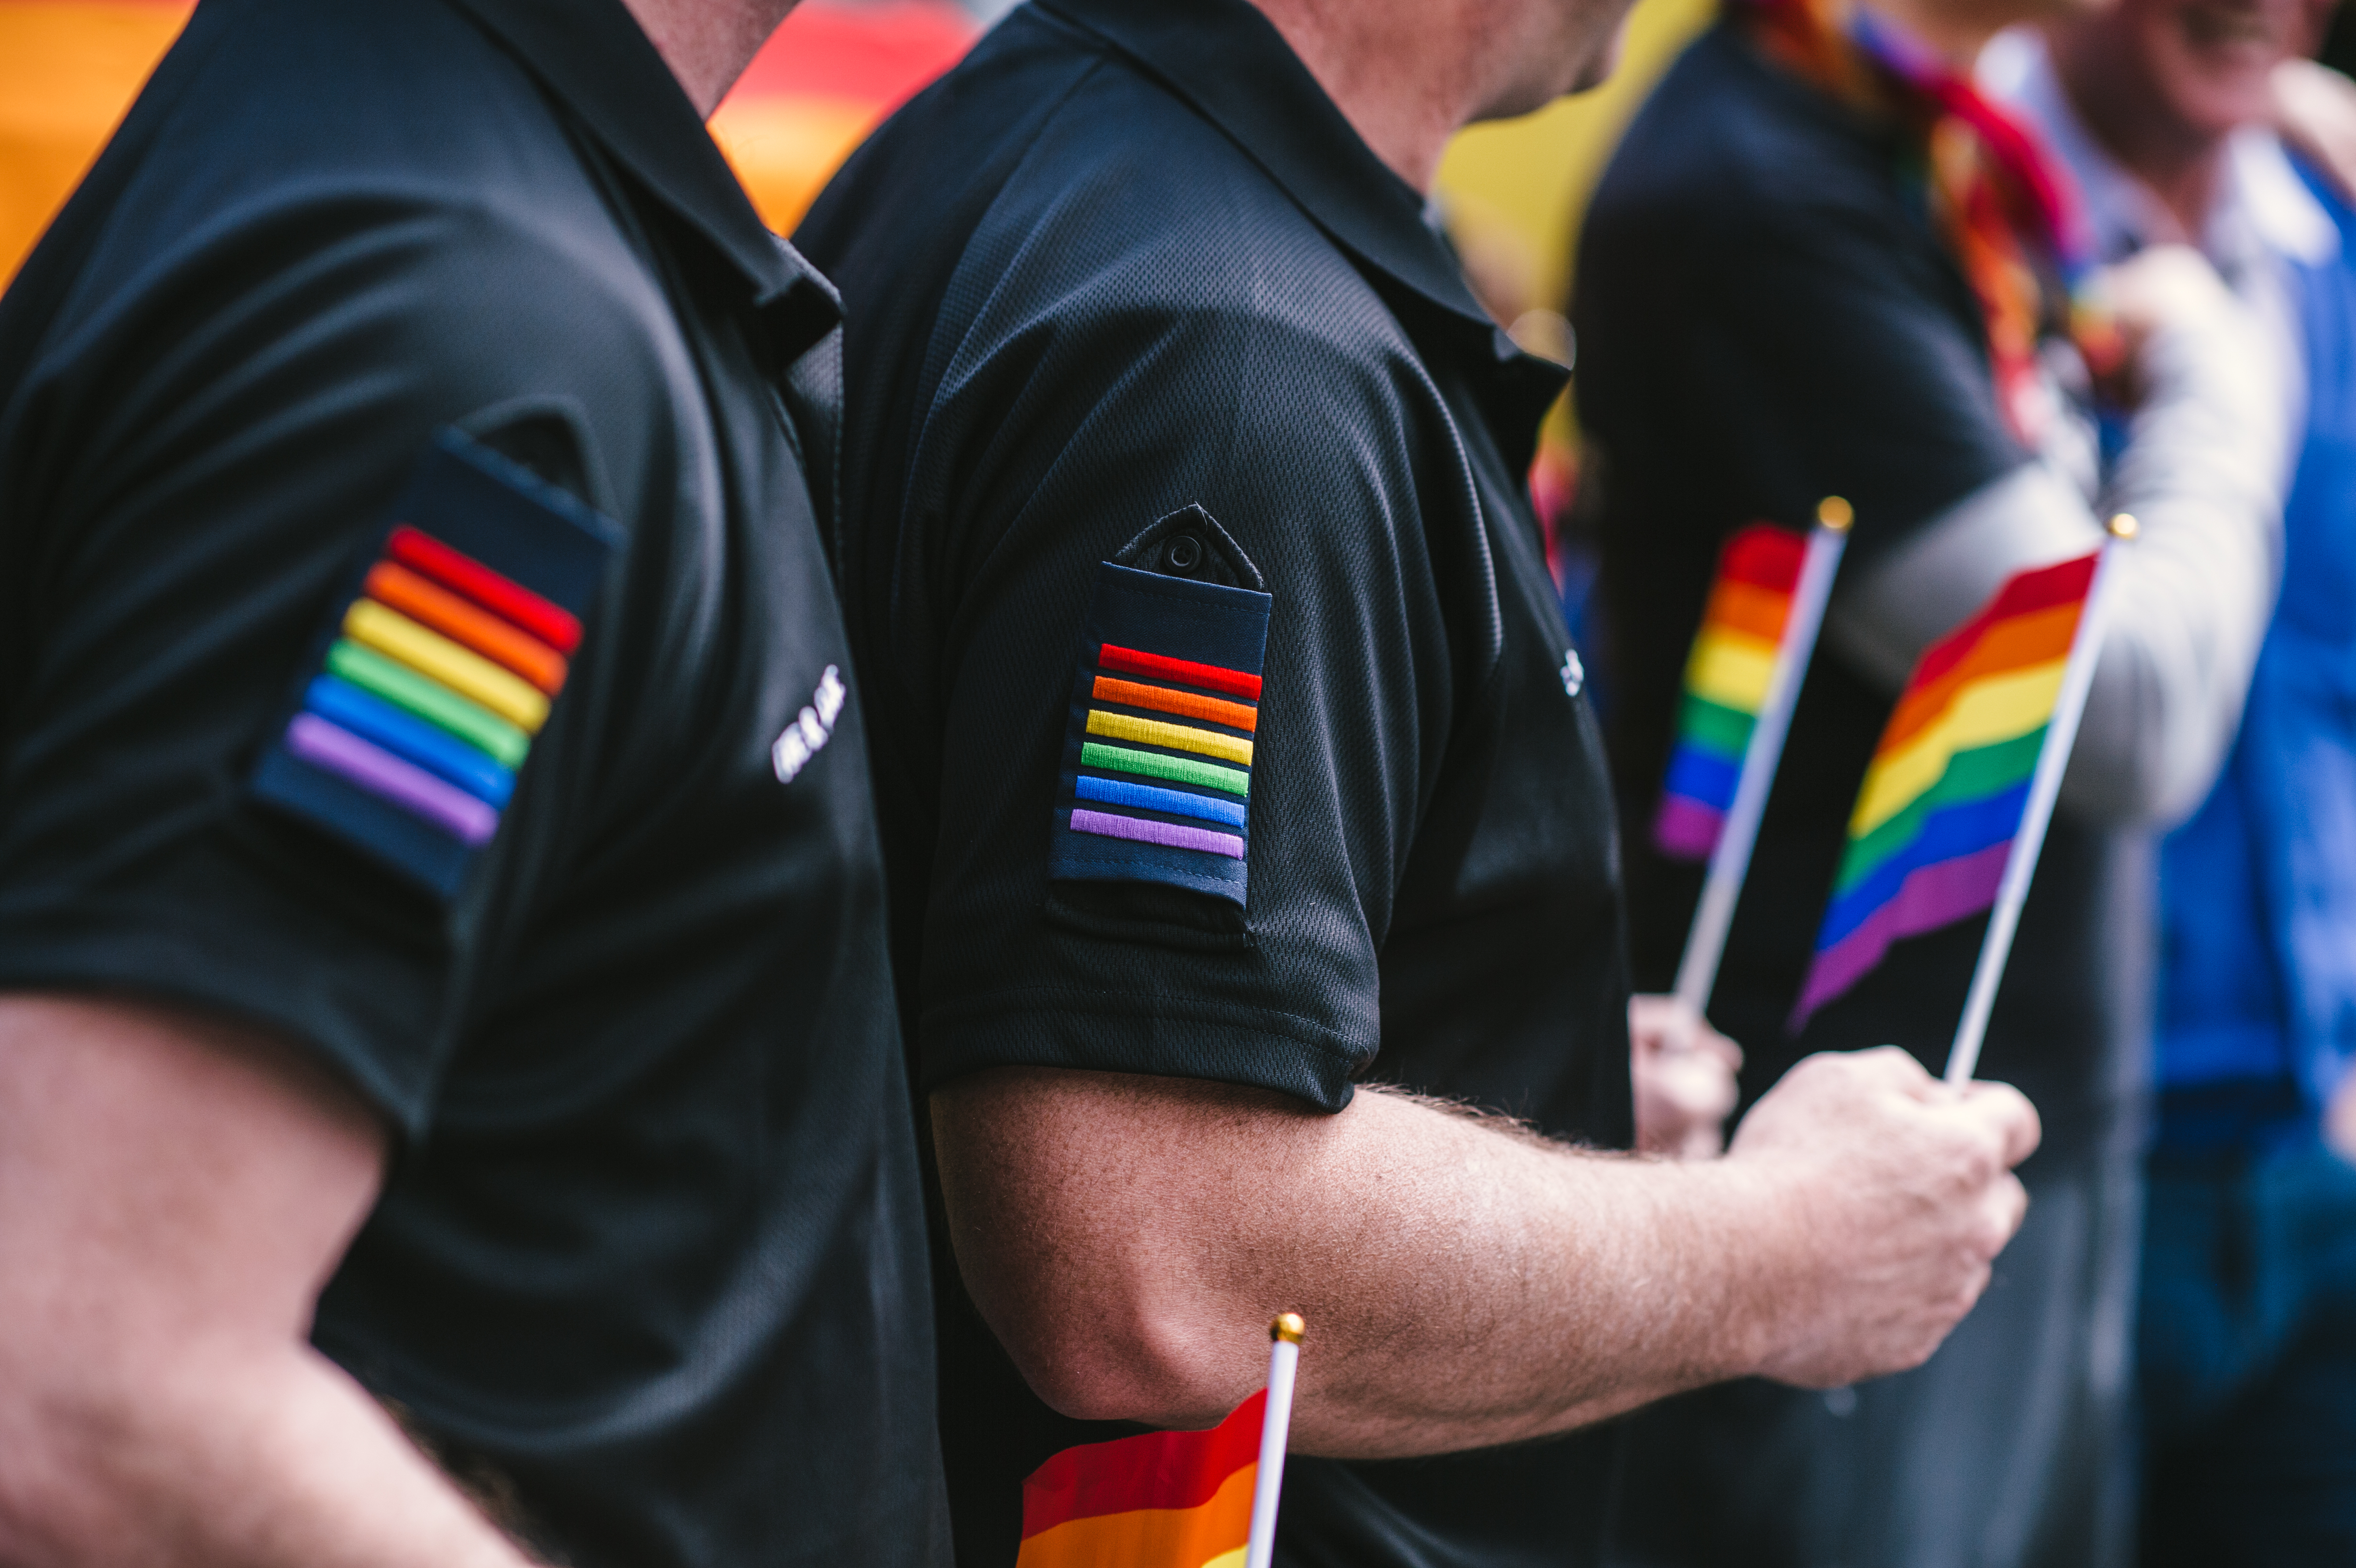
1118,791
411,739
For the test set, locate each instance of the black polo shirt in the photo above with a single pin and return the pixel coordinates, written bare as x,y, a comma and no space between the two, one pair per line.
1766,316
1226,724
415,638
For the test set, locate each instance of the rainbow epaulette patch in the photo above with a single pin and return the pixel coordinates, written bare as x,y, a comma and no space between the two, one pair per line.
441,665
1164,722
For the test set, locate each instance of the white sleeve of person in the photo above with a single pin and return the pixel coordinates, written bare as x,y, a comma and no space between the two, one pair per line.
2204,472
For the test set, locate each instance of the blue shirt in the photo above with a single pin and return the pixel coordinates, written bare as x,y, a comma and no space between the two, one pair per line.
2258,891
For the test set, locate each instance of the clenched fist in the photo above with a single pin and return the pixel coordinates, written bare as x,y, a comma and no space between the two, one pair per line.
1902,1191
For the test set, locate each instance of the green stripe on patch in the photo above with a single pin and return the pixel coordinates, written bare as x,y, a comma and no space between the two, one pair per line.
1185,770
430,700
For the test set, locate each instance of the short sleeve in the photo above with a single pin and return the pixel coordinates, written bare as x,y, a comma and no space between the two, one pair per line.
218,786
1764,320
1189,606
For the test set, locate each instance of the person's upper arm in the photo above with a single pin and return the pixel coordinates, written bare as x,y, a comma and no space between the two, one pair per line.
1318,473
2201,473
207,467
173,1191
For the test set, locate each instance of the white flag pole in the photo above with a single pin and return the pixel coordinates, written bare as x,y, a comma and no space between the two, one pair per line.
1275,1425
2044,786
1729,861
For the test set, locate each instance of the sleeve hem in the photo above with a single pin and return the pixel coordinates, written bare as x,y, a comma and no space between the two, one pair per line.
1093,1031
133,954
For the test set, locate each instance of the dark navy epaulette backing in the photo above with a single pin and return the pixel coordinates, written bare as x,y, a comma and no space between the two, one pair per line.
440,666
1164,719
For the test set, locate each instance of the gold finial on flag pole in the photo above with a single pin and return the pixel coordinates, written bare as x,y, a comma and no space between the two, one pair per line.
1835,513
1288,1326
2122,525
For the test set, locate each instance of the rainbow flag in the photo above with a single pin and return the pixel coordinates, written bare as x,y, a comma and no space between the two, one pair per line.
1949,783
1165,1499
1726,678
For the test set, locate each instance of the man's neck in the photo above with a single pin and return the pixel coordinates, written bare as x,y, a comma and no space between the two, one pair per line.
2183,166
1403,84
708,43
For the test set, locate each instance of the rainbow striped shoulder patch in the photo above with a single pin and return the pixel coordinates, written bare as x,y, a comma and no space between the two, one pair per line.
440,666
1158,753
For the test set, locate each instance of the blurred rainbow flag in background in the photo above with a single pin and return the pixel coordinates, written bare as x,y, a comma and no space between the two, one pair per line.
1949,783
1165,1499
1728,675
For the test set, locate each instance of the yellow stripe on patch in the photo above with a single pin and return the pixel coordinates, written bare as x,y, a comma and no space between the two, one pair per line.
1993,708
1731,668
437,658
1177,737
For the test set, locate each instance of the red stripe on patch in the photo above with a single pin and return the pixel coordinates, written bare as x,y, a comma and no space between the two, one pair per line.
552,624
1233,681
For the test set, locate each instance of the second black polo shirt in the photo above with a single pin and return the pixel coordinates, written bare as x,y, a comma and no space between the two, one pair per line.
1227,726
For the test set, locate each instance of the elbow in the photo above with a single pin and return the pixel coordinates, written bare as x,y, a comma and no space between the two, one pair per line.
2151,742
1116,1350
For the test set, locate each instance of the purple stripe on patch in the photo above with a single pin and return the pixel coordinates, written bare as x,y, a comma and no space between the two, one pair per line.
1144,831
340,752
1929,896
1687,829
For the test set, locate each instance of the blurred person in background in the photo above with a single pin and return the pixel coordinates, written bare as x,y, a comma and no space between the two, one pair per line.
2163,110
1822,264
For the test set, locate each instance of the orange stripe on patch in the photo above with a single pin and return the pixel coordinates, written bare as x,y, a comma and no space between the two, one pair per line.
464,623
1235,715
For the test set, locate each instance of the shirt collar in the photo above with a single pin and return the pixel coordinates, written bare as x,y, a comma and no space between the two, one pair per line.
1235,69
1225,60
593,56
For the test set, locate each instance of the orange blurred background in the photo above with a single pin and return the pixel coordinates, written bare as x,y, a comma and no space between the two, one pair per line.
68,70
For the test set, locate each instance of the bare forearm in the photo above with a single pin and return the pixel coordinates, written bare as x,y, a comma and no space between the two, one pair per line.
229,1458
1513,1289
174,1190
1467,1285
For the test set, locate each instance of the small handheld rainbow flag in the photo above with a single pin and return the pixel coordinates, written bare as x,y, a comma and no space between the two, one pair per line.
1170,1500
1955,805
1742,680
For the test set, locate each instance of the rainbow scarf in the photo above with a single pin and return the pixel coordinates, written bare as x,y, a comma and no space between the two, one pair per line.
2002,206
1944,797
1727,676
1165,1499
